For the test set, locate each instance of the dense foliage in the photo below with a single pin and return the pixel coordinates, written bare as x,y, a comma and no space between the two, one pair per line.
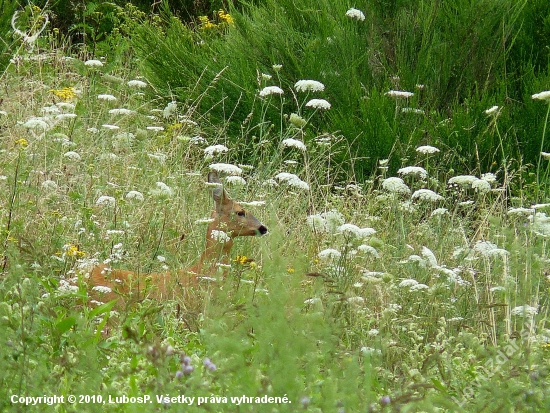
406,266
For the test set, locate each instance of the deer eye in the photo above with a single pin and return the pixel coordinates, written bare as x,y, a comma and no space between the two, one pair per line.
241,213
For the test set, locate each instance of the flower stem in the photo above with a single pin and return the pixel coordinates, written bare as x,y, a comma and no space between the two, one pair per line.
541,149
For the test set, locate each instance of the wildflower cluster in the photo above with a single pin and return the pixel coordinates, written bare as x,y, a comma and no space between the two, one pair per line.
67,94
223,20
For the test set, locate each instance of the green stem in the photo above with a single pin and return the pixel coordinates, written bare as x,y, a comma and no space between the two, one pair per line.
541,149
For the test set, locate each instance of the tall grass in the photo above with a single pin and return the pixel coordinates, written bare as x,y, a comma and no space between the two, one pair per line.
366,295
464,54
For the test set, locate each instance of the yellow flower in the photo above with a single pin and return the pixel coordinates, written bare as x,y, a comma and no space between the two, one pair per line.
66,94
226,17
206,24
74,251
290,270
243,259
23,142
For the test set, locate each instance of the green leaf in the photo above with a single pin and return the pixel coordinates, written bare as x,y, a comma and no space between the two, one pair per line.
66,324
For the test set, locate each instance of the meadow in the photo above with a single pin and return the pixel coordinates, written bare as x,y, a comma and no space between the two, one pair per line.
406,267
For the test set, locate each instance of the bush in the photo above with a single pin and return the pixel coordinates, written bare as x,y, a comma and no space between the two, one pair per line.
464,56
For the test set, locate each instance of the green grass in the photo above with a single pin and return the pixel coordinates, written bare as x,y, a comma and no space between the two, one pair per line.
422,315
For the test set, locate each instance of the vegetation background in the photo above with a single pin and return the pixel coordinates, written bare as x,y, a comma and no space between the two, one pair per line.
427,292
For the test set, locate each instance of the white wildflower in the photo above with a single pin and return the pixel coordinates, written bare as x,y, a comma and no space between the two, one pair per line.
110,127
155,128
65,287
226,168
266,76
109,98
367,249
137,83
162,190
545,155
210,151
36,123
463,180
204,221
488,249
309,86
427,149
316,222
426,195
123,140
51,109
439,212
489,177
271,90
72,155
492,111
356,300
277,67
219,236
92,130
318,104
170,109
49,186
521,211
542,95
408,282
64,116
121,111
292,180
66,106
102,289
481,186
93,63
399,94
395,185
333,219
329,254
355,14
235,180
419,287
135,195
313,301
525,310
429,256
253,203
413,170
105,200
294,143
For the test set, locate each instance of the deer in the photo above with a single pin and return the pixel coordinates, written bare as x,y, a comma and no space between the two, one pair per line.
227,216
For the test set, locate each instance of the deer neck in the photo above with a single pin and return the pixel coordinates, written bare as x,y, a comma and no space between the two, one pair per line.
214,252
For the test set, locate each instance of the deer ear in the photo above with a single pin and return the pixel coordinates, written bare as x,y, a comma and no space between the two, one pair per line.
218,192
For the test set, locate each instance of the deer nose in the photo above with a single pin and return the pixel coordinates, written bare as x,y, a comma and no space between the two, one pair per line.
262,230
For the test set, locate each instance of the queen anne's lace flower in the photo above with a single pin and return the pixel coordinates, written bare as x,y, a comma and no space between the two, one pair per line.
355,14
226,168
542,95
329,254
399,94
427,149
426,195
318,104
309,86
294,143
396,186
413,170
271,90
